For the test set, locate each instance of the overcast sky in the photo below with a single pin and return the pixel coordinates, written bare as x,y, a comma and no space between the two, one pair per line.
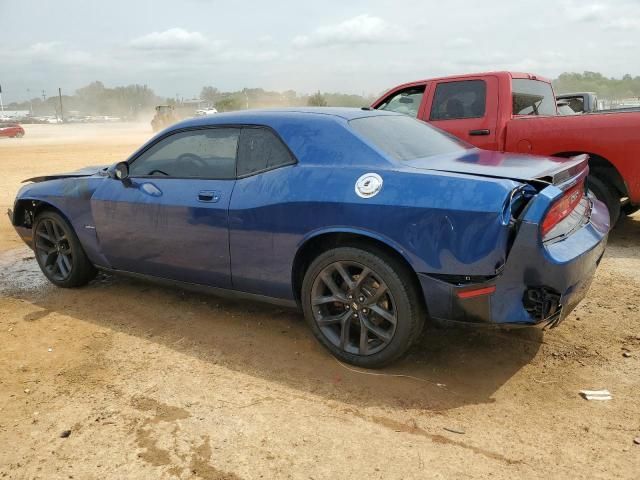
352,46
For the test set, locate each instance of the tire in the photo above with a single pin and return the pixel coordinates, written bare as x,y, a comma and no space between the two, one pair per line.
19,135
605,194
59,253
386,291
630,209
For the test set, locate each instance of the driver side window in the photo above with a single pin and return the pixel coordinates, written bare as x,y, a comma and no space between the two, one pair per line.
406,101
204,153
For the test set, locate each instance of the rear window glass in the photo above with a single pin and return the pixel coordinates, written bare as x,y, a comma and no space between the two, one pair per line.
455,100
259,150
532,97
404,138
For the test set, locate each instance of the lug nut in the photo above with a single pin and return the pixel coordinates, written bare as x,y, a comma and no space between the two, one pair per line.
355,315
361,298
364,310
350,297
347,307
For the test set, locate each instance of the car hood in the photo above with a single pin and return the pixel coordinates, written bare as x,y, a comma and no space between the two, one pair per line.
83,172
525,168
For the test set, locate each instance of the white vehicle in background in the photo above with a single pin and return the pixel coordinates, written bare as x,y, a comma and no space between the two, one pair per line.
206,111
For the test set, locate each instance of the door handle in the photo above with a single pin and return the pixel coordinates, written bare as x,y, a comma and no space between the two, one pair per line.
208,196
477,133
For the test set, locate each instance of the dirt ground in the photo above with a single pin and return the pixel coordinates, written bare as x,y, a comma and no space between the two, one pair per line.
158,383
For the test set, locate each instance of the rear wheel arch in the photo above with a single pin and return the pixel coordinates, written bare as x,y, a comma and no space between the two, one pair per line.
318,244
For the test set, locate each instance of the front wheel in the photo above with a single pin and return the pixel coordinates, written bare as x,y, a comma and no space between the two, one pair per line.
59,253
362,306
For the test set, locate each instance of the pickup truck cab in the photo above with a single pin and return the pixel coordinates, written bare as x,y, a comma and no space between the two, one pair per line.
517,112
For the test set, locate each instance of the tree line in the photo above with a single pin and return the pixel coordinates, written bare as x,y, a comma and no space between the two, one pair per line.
610,88
138,101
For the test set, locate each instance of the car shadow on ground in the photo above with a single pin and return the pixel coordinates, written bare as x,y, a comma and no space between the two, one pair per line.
625,238
447,368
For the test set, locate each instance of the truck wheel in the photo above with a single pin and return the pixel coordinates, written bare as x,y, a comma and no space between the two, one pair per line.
605,194
630,209
59,253
362,306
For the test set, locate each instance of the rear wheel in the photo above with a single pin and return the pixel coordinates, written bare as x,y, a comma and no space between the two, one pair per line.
19,135
630,209
59,253
606,194
362,306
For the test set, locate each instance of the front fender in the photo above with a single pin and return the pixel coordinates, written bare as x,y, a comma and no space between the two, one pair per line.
71,197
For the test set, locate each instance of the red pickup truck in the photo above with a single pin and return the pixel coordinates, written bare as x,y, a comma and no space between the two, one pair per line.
517,112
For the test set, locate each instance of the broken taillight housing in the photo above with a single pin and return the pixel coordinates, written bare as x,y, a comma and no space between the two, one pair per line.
563,207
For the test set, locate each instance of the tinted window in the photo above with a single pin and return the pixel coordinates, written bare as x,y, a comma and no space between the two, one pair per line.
455,100
404,138
207,153
532,97
406,101
260,149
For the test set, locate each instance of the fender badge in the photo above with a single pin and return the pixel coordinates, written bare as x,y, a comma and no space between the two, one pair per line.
368,185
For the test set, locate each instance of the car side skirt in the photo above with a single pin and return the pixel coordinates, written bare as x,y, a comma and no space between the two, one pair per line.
196,287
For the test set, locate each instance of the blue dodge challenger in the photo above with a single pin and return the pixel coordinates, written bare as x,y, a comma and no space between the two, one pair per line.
369,221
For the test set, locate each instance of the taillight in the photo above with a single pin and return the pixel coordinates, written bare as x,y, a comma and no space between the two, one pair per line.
563,207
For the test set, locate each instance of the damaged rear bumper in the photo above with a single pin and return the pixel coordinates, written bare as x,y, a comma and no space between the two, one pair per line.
539,285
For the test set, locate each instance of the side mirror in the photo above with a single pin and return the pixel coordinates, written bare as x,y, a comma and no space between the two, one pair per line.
121,171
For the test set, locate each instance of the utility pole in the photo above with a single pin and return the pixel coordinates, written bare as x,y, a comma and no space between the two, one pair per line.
1,105
60,97
30,102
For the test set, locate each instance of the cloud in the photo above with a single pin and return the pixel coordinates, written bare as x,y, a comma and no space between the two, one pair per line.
171,39
50,53
363,29
581,13
459,42
624,24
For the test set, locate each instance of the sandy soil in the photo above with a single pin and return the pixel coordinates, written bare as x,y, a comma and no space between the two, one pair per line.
159,383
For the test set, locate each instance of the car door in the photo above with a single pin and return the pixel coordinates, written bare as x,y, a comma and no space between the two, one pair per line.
170,217
460,107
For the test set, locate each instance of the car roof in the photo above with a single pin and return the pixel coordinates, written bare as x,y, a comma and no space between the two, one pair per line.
464,76
263,116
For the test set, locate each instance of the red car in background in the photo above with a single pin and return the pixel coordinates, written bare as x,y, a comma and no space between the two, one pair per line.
11,130
517,112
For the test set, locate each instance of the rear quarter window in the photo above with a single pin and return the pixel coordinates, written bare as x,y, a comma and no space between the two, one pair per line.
532,97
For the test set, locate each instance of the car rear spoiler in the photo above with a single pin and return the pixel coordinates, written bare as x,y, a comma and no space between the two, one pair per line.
574,167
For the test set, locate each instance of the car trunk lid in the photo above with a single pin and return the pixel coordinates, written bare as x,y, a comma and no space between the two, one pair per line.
526,168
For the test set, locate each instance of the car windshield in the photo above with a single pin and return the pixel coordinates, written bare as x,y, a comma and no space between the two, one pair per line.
404,138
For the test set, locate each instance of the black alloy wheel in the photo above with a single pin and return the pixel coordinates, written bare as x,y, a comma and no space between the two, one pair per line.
362,306
354,308
53,250
59,253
